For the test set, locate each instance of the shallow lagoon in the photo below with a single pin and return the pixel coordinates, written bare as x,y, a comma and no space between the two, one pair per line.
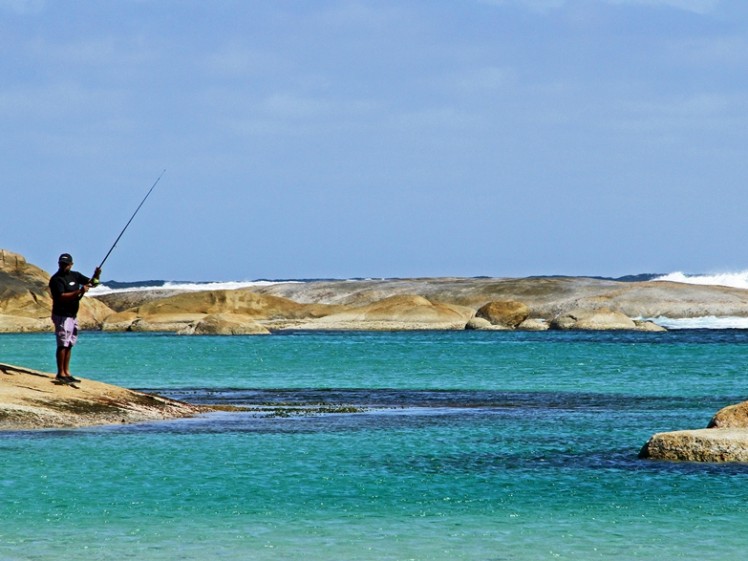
469,446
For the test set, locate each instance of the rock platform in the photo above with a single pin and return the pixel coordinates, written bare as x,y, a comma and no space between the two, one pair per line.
30,399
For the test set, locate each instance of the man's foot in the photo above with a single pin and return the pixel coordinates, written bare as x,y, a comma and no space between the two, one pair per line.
71,380
66,379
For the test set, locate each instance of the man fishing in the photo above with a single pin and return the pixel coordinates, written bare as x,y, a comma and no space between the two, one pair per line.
67,288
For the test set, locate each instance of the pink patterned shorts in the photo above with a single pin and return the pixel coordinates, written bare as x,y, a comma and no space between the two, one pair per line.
66,330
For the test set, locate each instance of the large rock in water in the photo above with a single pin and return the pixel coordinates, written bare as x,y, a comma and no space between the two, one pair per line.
724,440
30,399
701,445
731,417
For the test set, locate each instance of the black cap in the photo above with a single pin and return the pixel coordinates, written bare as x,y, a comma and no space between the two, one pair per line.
65,258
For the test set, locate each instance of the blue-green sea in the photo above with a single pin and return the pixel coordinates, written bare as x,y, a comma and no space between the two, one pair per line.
462,446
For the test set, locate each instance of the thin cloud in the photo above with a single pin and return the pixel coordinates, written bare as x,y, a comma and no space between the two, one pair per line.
22,7
546,6
696,6
485,79
235,59
541,6
710,51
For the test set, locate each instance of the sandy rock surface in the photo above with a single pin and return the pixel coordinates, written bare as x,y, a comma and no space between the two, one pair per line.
30,399
601,319
732,416
405,311
201,312
701,445
724,440
225,324
507,313
546,297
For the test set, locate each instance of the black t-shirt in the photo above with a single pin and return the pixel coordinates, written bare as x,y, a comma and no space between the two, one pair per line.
66,282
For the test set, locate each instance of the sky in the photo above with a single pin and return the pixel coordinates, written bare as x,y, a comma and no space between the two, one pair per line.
355,138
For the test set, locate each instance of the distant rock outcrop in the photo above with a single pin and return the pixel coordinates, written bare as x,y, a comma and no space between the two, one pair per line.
598,320
547,297
534,324
25,302
405,311
482,324
532,303
506,313
225,324
236,311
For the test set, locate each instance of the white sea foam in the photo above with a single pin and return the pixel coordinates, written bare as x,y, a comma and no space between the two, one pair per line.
703,322
186,286
734,280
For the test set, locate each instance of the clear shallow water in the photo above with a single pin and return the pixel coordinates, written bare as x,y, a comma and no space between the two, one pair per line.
471,446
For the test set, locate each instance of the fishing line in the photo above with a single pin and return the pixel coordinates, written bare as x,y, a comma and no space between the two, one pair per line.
133,216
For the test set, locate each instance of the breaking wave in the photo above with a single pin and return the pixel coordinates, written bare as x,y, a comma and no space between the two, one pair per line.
734,280
181,286
703,322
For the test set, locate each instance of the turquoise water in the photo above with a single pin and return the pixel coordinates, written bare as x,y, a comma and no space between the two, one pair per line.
470,445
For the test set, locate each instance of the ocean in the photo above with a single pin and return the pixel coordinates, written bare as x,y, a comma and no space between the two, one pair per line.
387,446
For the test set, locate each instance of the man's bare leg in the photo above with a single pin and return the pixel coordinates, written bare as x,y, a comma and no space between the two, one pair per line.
63,361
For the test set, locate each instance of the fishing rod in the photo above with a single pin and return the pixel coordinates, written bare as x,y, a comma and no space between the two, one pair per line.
133,216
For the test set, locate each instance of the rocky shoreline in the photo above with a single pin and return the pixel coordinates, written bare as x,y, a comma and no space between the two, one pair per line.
532,303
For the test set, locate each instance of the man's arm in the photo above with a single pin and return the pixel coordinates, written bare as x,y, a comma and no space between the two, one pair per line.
95,279
74,294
